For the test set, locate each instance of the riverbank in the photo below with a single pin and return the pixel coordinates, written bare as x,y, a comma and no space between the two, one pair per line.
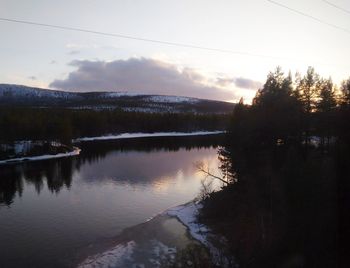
74,152
24,157
148,135
173,238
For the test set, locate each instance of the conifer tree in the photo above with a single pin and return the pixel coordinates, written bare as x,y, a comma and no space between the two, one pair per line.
325,106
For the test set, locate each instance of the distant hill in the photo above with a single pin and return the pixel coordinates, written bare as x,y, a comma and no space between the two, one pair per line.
20,95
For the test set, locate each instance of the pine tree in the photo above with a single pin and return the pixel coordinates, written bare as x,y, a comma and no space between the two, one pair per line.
307,90
275,108
326,96
325,107
307,94
345,89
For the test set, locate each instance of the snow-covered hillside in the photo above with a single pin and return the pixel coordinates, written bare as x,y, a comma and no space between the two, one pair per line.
19,91
126,101
172,99
117,94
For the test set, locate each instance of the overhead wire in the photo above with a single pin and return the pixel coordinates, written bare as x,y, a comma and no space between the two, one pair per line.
310,16
168,43
336,6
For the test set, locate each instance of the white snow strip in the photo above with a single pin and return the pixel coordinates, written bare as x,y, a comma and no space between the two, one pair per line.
118,94
119,256
76,151
187,214
144,135
161,253
172,99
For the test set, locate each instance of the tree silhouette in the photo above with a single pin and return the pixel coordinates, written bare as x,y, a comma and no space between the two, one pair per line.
326,105
345,89
275,108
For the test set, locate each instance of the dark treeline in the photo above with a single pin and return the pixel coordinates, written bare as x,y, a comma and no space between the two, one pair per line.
64,124
58,173
149,144
287,111
55,174
287,169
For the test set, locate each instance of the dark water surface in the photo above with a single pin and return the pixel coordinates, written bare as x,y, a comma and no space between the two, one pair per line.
51,210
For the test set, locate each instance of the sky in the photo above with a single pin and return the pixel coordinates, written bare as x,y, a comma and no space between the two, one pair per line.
261,34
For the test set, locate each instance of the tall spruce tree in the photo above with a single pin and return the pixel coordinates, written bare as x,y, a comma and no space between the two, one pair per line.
307,93
326,96
275,108
345,90
326,104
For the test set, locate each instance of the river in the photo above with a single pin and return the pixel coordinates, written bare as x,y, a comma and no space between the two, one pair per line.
52,210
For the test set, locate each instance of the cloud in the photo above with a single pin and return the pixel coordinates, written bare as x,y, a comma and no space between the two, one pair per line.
32,77
140,75
239,82
73,52
80,46
247,83
53,62
224,82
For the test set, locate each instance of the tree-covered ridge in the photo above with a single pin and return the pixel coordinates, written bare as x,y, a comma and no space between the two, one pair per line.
285,110
286,163
22,123
18,95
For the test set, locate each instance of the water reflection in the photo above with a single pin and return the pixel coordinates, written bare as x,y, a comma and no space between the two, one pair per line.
126,163
51,209
56,174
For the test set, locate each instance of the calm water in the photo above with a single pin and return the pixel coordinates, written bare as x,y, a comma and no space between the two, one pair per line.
51,210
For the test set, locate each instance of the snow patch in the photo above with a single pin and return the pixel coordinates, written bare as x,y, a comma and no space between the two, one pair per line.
118,94
76,151
145,135
161,254
187,214
119,256
173,99
19,91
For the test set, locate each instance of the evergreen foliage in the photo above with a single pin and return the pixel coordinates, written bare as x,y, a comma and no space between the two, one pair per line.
21,123
286,155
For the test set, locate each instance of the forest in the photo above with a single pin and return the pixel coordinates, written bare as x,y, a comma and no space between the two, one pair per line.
63,124
286,166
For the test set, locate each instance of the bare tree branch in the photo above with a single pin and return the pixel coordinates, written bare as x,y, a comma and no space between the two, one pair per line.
200,167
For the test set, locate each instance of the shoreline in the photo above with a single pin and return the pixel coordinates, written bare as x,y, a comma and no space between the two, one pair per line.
152,243
74,152
187,215
147,135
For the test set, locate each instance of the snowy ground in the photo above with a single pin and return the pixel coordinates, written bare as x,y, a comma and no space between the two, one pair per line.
118,256
172,99
144,135
154,243
76,151
187,214
156,255
157,242
22,146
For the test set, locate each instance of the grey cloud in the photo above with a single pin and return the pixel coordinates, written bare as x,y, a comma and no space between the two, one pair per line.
247,83
141,76
53,62
224,81
73,52
32,77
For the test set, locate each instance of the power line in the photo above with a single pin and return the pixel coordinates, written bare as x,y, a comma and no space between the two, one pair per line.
336,6
168,43
310,16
